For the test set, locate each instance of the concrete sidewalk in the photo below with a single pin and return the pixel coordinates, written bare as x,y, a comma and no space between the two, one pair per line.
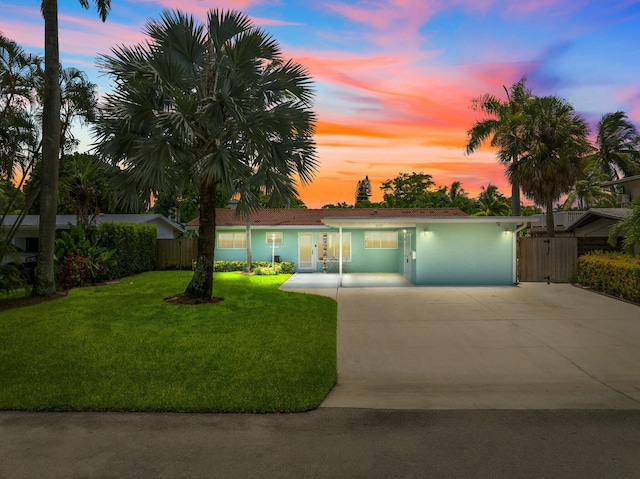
534,346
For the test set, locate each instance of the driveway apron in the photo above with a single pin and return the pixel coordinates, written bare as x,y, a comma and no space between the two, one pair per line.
532,346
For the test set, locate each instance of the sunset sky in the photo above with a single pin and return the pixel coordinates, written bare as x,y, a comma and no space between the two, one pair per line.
394,79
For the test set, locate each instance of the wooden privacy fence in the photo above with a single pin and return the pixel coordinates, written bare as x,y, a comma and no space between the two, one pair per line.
547,259
176,253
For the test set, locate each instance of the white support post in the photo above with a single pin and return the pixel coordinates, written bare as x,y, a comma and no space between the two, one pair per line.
340,258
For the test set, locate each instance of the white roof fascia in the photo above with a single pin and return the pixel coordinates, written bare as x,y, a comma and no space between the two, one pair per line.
412,222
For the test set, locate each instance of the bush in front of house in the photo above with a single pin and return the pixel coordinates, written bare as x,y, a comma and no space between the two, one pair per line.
80,259
268,270
134,245
614,273
285,267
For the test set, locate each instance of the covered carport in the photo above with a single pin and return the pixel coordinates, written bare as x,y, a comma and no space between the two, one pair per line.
446,250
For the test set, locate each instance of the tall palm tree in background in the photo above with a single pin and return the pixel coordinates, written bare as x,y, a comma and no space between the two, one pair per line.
20,75
213,101
617,147
552,143
44,283
501,127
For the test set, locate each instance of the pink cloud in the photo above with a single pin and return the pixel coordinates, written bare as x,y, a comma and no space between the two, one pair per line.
198,7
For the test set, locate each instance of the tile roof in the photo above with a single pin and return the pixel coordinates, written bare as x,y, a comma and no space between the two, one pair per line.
314,217
62,221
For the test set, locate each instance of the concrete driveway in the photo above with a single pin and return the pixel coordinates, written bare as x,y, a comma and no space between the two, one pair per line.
534,346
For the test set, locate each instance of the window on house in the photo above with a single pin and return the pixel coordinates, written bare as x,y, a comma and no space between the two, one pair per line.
381,240
274,237
232,241
333,246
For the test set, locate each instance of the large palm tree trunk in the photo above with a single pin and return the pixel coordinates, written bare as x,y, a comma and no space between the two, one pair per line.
551,227
248,268
201,286
515,199
44,276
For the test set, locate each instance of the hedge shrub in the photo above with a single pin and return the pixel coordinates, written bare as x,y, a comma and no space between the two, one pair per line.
285,267
134,245
614,273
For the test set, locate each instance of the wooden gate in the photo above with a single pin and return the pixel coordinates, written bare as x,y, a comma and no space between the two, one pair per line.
176,253
547,259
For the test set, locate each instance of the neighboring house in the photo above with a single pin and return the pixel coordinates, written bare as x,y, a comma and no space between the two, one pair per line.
628,188
429,246
561,219
26,237
592,228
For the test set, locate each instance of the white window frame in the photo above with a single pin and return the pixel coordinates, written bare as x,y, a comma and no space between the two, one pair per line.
236,240
379,238
279,237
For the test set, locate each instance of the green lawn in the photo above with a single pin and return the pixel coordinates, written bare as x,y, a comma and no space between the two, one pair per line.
121,347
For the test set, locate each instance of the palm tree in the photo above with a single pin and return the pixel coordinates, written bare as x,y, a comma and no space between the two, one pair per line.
213,101
20,75
44,283
631,227
492,202
554,141
587,192
617,147
501,126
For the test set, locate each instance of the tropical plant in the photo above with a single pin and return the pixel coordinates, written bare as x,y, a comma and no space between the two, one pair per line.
22,88
617,147
232,104
20,76
80,258
587,192
459,198
44,284
631,226
502,127
552,141
11,277
492,203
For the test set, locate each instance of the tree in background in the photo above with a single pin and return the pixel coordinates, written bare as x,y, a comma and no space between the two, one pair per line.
553,141
44,284
21,92
492,203
630,225
586,192
617,147
459,198
407,190
233,105
502,127
363,193
342,204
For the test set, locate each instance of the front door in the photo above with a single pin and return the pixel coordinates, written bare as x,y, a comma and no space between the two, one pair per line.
306,253
407,258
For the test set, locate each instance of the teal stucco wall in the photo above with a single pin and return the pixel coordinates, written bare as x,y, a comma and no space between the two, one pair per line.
450,253
362,260
464,254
